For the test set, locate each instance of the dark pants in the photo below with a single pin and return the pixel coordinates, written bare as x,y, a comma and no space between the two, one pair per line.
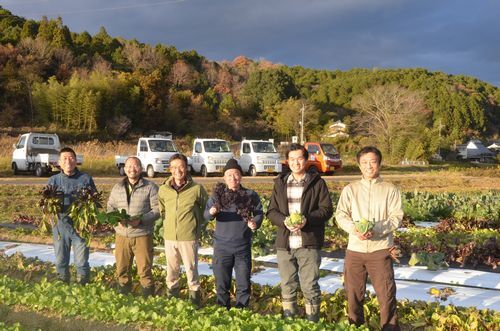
378,265
223,262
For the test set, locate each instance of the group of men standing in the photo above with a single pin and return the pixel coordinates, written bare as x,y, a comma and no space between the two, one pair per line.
183,206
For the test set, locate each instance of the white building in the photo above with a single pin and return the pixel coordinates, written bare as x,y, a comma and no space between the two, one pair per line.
474,150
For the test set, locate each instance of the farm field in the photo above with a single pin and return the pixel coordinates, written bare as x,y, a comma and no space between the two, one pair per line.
443,228
449,244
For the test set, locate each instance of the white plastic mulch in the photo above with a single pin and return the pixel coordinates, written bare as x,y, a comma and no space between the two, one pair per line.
472,288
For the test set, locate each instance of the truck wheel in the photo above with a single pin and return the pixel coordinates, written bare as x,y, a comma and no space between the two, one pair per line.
14,168
203,171
121,170
313,170
39,170
252,171
150,171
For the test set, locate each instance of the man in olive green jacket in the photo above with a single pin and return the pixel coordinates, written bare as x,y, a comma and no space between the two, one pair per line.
182,202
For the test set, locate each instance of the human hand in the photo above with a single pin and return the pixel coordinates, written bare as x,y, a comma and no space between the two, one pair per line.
252,225
213,211
364,236
395,253
134,222
297,227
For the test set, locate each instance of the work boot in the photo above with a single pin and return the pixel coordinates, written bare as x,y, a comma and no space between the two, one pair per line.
195,298
125,289
312,312
82,280
173,292
148,291
289,308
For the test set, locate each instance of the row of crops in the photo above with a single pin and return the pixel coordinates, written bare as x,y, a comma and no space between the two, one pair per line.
465,231
33,284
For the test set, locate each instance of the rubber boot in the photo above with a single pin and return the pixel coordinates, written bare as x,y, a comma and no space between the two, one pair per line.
148,291
312,312
82,280
125,289
173,292
289,308
195,298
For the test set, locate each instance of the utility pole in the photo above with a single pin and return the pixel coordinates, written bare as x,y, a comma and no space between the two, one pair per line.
302,110
440,126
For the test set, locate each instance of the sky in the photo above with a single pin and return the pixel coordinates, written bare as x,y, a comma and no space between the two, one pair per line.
455,37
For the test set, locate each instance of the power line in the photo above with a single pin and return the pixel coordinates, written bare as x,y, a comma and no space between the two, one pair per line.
92,10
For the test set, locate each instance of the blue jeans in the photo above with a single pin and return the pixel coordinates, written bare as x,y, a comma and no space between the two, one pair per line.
64,237
223,262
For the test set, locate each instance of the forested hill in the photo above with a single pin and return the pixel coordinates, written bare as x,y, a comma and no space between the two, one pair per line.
100,84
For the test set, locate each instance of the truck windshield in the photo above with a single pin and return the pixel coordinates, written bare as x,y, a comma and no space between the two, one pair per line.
263,147
162,146
329,149
216,146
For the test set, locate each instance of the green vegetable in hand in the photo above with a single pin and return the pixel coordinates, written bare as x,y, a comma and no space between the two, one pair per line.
51,203
364,225
113,218
294,219
83,211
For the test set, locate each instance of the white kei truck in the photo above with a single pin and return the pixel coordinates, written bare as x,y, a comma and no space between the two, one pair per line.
259,157
209,156
154,152
37,153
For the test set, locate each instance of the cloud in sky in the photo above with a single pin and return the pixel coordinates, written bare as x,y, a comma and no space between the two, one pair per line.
457,37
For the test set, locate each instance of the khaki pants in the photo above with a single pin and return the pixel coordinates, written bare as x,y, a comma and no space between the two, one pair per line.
300,266
378,265
142,249
187,251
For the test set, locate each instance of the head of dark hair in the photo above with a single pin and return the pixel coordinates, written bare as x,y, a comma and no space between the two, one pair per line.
369,149
296,147
179,156
67,150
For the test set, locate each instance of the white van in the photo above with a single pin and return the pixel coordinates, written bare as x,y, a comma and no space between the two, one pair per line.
210,156
154,152
259,156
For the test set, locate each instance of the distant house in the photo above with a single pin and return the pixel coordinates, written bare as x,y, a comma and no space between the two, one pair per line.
474,150
337,129
494,147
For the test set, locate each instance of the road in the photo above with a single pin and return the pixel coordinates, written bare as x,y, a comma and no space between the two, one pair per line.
31,180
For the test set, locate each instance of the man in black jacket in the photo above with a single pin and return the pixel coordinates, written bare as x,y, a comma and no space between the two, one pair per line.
298,245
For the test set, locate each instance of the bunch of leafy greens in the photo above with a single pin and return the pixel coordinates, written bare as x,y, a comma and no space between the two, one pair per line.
296,218
225,198
364,225
83,211
51,203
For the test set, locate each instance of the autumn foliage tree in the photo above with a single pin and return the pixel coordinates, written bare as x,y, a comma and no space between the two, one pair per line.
391,115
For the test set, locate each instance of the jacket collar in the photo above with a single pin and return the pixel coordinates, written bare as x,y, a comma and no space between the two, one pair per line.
168,182
368,182
140,182
74,174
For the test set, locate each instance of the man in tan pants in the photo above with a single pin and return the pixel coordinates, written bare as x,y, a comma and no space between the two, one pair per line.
369,253
182,202
134,237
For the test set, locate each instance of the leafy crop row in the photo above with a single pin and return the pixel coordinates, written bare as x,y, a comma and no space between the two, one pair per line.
99,302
